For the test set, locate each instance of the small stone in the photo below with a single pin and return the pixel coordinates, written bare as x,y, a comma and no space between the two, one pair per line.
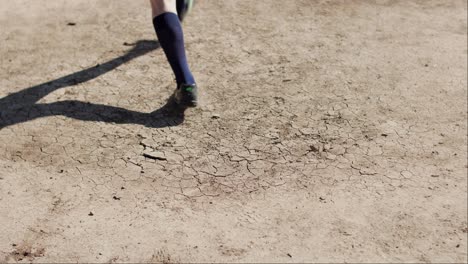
314,149
155,155
406,174
337,150
306,131
90,214
367,171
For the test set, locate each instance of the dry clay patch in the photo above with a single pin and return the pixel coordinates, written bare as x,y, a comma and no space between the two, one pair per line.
269,148
278,141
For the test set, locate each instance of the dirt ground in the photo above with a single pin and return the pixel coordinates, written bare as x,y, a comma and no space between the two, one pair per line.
329,131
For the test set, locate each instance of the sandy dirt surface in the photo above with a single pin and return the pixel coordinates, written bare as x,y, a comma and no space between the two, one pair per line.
329,131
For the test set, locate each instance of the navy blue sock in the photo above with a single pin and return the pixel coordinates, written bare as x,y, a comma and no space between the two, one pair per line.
171,37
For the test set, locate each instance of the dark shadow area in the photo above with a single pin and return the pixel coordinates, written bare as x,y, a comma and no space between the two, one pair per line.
21,106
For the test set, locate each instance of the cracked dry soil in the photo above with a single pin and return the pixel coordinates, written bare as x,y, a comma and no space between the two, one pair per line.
329,131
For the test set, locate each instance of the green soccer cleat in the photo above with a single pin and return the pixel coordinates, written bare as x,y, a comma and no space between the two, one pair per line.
183,8
186,95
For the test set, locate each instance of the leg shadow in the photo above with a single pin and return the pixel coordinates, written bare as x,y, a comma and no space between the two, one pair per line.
21,106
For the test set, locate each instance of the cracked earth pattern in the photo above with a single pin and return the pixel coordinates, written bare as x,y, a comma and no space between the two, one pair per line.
329,131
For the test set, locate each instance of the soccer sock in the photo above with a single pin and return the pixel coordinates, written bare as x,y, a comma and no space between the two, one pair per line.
171,37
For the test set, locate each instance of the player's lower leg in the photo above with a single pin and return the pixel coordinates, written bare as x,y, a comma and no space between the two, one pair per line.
170,35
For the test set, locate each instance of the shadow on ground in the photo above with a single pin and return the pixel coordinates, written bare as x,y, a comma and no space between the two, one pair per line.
21,106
